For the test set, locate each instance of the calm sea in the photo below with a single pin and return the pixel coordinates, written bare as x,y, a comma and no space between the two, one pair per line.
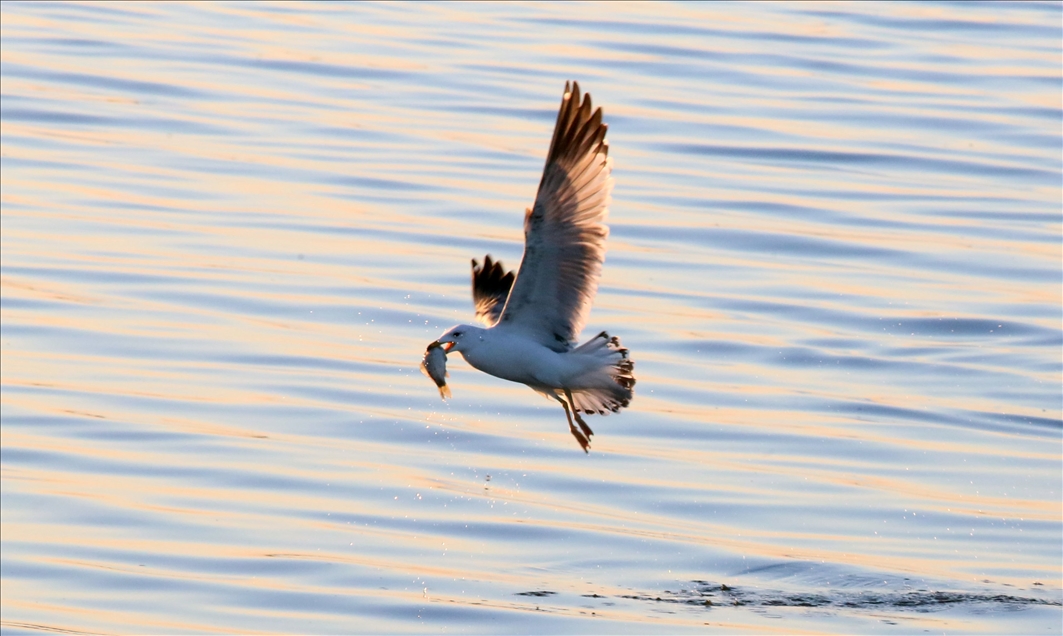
229,231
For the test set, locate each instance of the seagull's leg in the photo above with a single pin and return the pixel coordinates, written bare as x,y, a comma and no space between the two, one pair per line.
579,420
580,437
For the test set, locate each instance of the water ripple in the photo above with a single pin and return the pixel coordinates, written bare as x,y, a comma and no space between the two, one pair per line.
229,231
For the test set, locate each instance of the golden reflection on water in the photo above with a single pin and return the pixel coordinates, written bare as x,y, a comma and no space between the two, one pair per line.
118,492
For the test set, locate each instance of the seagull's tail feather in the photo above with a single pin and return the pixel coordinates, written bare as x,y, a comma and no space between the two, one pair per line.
615,383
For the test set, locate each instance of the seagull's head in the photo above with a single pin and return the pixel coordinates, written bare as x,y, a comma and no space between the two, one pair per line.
460,338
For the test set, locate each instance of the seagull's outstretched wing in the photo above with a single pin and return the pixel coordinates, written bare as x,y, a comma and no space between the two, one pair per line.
490,288
564,234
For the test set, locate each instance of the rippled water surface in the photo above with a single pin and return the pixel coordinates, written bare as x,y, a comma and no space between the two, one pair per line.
230,230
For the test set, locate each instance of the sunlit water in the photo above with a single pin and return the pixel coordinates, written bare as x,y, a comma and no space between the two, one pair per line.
229,231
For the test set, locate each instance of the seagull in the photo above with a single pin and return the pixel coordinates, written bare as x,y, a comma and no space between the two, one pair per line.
532,319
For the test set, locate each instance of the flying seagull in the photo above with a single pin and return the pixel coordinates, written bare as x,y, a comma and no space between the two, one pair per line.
532,320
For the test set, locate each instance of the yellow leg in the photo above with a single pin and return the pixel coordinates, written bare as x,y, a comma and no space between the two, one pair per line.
580,437
579,420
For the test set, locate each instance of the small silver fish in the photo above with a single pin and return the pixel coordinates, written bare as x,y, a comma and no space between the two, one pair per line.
434,366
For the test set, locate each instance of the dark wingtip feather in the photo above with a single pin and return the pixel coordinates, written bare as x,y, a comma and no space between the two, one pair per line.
579,128
490,287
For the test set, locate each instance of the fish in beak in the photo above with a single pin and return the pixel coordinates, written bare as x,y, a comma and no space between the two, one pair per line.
434,365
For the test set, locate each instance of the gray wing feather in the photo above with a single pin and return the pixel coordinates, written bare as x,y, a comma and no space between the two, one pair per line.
490,288
565,233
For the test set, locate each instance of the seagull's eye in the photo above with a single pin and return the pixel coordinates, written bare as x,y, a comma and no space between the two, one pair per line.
457,334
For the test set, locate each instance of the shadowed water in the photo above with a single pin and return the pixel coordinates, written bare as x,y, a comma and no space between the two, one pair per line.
229,231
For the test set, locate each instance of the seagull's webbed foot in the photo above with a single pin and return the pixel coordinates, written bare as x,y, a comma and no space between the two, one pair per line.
583,440
579,420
